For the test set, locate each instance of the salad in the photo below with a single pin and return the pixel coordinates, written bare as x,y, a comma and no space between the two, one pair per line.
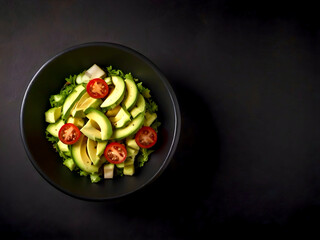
103,123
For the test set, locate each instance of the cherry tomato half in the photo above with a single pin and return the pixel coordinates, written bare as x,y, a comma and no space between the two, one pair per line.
97,88
69,133
115,153
146,137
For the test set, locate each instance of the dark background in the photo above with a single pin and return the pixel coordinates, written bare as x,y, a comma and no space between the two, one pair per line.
247,79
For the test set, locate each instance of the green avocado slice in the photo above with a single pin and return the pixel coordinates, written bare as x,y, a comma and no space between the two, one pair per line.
130,129
98,127
80,156
92,151
140,106
132,94
121,119
71,100
116,96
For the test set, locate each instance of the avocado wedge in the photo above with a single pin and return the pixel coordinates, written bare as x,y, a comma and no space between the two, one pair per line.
83,104
98,127
71,100
140,106
116,96
131,95
131,128
80,156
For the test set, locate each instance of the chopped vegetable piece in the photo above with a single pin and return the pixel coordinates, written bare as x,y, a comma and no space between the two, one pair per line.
97,88
146,137
69,133
115,153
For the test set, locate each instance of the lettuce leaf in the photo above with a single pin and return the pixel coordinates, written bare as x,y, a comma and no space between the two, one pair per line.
115,72
57,100
51,138
151,106
143,90
143,156
95,177
155,125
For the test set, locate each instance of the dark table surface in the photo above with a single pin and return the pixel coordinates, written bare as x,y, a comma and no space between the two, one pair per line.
247,79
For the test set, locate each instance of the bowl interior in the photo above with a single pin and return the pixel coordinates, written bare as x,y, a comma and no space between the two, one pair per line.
49,80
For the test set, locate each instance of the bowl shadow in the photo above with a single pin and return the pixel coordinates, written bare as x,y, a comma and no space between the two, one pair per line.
178,195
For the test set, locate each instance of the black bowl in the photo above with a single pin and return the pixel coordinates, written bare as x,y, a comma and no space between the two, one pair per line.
50,78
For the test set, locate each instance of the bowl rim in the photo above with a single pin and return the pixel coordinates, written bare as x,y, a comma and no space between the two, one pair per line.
176,110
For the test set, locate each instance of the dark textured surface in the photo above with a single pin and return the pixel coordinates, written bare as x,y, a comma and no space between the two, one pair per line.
247,79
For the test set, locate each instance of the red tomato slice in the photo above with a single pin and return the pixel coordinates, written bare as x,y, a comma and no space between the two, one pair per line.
97,88
146,137
115,153
69,133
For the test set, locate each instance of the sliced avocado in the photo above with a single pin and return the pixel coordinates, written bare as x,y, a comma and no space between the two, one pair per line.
121,119
79,122
130,129
80,155
116,96
108,170
101,147
91,103
149,118
95,72
92,151
140,106
113,112
129,162
53,114
53,128
71,100
99,122
91,130
132,94
83,104
75,112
